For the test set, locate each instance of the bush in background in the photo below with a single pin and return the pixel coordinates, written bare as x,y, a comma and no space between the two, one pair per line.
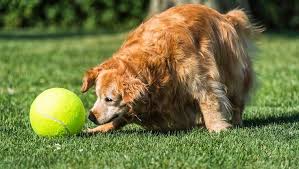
82,14
125,14
276,14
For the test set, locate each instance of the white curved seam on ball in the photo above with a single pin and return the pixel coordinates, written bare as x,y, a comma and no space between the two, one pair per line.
56,120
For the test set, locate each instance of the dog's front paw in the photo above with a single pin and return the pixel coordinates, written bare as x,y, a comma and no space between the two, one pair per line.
88,131
100,129
219,126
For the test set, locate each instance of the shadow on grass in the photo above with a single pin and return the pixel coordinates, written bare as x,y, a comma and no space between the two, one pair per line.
255,122
39,35
157,133
141,131
258,122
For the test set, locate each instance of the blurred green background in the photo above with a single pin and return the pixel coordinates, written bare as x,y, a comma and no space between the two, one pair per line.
120,15
71,14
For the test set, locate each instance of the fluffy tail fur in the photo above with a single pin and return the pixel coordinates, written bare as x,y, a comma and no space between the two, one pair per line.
241,22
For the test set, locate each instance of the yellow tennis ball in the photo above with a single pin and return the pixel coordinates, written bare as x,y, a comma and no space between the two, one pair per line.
57,112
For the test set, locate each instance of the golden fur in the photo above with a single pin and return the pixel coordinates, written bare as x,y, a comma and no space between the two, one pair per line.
188,66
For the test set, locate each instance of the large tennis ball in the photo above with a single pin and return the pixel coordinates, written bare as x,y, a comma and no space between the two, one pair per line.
57,112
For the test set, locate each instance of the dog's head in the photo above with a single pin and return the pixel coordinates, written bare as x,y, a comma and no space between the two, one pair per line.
116,87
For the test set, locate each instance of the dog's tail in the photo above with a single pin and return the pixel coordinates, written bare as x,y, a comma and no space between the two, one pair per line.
242,24
244,48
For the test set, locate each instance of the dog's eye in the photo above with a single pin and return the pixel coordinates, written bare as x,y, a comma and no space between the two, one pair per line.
107,99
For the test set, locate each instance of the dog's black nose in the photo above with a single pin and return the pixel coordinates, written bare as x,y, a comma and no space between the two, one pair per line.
92,118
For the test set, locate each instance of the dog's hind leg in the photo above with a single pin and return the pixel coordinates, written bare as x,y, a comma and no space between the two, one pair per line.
237,112
215,107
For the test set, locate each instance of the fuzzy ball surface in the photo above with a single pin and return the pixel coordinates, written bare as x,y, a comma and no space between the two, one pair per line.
57,112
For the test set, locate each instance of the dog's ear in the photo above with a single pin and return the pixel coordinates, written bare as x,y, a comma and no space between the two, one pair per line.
89,78
133,89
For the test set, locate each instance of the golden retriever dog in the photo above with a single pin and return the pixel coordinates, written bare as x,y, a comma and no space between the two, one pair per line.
186,67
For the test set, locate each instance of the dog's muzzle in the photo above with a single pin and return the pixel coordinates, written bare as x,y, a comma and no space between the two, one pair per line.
92,118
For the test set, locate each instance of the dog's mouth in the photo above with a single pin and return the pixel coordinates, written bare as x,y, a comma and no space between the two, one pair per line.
106,121
114,117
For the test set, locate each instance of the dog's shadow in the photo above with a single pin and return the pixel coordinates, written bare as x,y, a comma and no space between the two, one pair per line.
260,122
138,132
248,123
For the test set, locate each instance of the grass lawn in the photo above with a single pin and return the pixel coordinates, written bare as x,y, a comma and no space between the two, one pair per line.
31,63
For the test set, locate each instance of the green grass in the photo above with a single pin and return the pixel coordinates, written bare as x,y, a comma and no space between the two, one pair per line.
31,63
